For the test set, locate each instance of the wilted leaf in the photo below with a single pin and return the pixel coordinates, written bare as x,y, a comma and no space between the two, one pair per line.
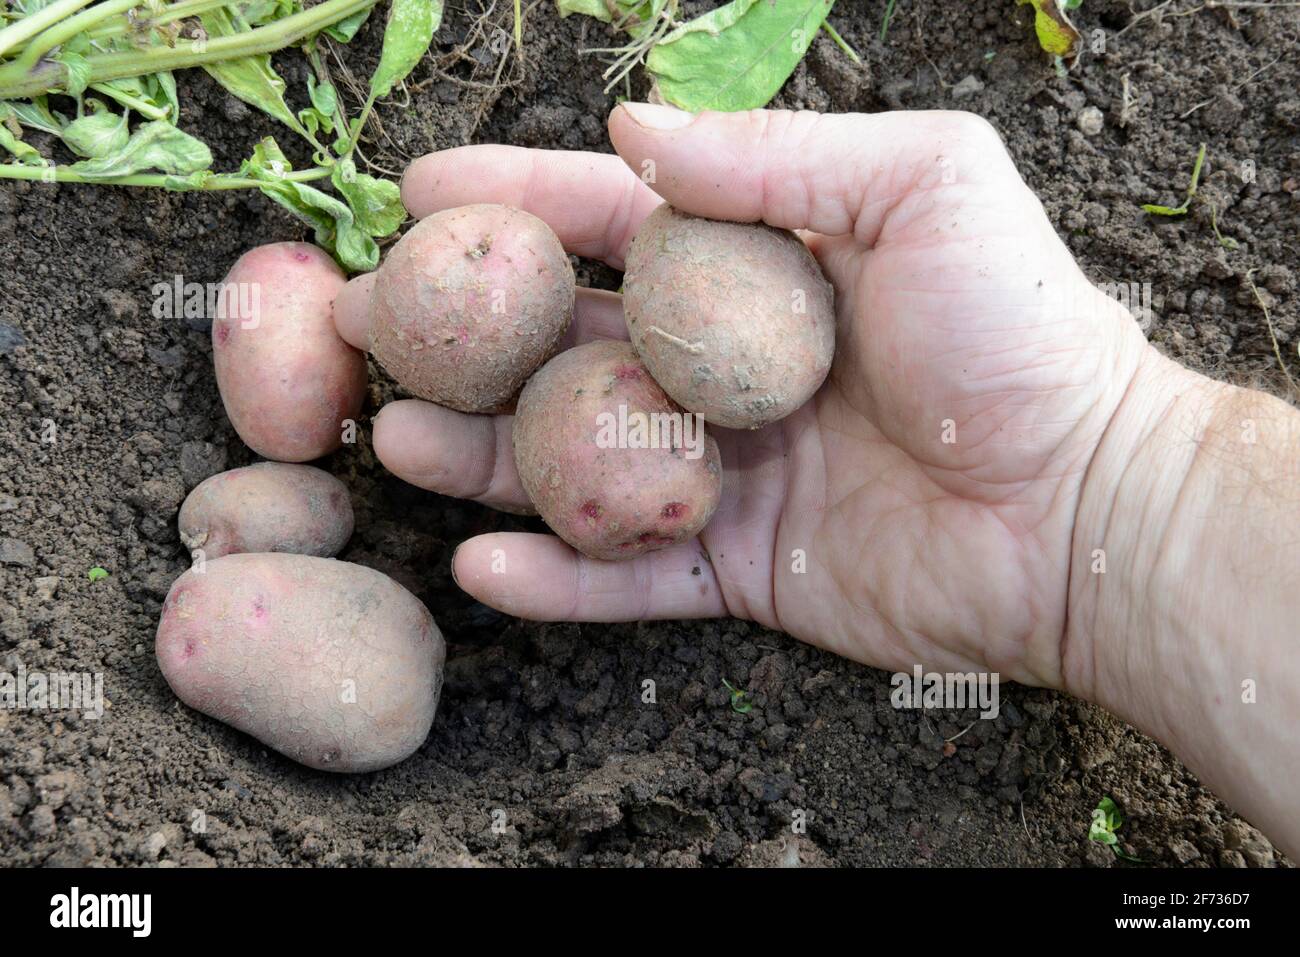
335,225
376,203
156,145
10,140
98,134
251,78
410,29
37,115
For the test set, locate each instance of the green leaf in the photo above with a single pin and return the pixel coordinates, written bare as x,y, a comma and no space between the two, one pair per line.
376,203
335,225
587,8
251,78
25,153
78,72
156,145
1056,34
261,12
267,158
162,88
153,95
323,96
1106,819
347,28
632,15
97,574
410,29
737,56
98,134
37,115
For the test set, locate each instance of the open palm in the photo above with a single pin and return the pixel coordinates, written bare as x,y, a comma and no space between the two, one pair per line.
921,508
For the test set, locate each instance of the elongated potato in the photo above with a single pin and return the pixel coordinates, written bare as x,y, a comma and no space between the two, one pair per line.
734,320
469,303
288,381
334,665
267,507
612,464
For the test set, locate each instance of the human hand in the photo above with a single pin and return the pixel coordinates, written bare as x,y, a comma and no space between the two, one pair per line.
930,487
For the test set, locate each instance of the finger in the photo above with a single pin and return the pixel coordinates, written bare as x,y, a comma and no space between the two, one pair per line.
451,453
832,174
540,578
597,314
592,200
352,311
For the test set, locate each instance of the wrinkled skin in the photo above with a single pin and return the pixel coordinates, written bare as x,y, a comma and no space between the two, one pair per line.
334,665
267,507
734,320
608,501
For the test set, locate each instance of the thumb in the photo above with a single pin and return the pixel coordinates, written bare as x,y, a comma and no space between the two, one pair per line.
833,174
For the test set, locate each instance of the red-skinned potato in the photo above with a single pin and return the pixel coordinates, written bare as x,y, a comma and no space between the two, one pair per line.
469,303
333,665
288,381
580,434
267,507
734,320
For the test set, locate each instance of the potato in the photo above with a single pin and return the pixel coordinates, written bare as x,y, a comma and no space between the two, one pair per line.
334,665
267,507
287,379
734,320
469,304
581,432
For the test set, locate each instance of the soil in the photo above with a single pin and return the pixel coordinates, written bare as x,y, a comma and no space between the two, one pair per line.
543,751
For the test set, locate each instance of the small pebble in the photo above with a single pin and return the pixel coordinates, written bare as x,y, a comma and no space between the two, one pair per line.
1090,121
967,86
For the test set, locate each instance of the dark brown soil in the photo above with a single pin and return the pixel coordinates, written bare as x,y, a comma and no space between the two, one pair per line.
542,730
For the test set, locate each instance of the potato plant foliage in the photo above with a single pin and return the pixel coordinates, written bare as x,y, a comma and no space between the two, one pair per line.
100,77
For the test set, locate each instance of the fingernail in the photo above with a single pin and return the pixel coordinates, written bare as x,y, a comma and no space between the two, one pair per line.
652,116
454,579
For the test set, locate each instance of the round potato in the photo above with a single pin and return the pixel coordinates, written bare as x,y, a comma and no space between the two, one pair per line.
469,304
267,507
289,383
614,466
334,665
734,320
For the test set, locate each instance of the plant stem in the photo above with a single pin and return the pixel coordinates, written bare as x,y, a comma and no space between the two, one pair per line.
1196,175
220,181
69,28
51,75
23,30
135,103
884,24
519,29
177,11
841,42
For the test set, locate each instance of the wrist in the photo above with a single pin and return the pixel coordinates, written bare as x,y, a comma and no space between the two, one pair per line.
1127,564
1185,577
